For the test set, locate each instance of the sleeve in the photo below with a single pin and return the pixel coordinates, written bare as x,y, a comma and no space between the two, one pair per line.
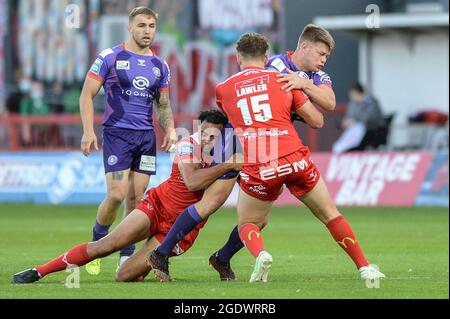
100,68
219,97
321,77
299,99
187,150
165,79
276,64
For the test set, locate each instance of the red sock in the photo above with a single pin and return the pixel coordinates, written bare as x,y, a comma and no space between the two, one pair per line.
76,256
252,238
342,232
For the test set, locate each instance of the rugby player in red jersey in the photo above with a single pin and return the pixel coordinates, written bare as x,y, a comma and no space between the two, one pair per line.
299,69
260,111
192,172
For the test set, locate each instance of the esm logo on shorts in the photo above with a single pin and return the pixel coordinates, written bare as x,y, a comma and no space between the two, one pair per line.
283,170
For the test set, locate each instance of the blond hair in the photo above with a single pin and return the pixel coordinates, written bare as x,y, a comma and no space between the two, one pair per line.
142,10
314,33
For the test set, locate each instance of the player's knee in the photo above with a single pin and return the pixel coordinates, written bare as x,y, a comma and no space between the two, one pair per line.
116,196
122,275
210,205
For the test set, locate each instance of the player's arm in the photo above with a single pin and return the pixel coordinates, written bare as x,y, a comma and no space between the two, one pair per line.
165,120
90,89
197,178
306,110
322,95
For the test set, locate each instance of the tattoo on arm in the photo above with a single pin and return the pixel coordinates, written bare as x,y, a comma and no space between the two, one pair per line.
165,116
117,176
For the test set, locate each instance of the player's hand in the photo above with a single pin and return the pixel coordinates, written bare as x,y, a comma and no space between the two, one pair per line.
293,81
86,141
170,139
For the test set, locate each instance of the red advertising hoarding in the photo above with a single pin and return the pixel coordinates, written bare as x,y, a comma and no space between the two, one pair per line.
371,178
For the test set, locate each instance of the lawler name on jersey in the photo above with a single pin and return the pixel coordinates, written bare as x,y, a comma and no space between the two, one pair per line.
131,83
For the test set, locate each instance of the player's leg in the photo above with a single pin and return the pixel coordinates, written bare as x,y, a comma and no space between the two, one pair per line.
220,260
132,229
213,198
252,215
137,184
136,268
320,203
143,165
116,189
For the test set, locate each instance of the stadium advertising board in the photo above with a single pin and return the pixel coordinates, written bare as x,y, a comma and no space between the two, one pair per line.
353,179
59,178
434,190
371,178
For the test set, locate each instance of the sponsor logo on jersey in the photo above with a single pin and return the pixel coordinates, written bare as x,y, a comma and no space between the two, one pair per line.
185,149
122,65
278,64
141,62
156,72
263,133
95,68
141,83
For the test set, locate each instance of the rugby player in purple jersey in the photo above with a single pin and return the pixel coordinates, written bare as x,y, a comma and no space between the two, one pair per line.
134,80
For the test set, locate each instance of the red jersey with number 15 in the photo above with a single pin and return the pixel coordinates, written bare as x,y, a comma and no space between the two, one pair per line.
260,112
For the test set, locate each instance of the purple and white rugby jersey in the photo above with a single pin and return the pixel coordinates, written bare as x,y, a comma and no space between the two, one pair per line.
282,62
131,83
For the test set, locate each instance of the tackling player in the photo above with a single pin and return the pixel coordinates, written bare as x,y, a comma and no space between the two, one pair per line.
315,45
274,155
134,79
302,68
192,172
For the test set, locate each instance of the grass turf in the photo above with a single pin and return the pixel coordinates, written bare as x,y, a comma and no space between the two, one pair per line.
409,244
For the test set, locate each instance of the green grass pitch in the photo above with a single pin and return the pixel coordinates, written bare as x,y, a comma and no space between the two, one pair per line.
410,245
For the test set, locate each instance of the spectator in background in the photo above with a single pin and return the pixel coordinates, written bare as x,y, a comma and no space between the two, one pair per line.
71,100
34,104
22,89
363,117
54,98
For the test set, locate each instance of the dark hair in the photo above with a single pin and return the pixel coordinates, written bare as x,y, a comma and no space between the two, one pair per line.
314,33
253,45
213,116
142,10
357,87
